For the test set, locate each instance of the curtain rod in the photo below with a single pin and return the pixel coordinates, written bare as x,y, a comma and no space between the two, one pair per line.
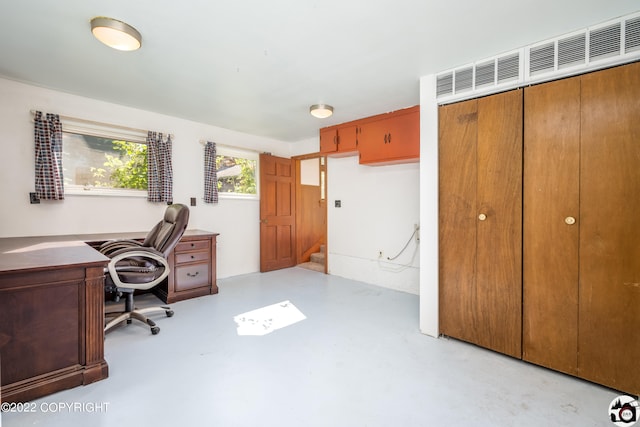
93,122
203,142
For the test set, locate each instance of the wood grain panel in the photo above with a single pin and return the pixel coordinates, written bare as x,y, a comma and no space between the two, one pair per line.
499,237
457,219
551,194
48,346
277,213
610,228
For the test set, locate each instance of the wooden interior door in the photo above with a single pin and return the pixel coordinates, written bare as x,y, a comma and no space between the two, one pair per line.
277,213
481,221
458,133
551,238
499,235
609,316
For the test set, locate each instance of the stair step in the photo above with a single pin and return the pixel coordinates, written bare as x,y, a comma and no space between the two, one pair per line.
318,257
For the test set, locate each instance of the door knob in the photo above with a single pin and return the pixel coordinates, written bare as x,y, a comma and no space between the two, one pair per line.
482,217
264,221
570,220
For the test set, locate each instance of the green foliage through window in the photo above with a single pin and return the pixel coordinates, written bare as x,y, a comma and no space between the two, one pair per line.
236,175
96,162
128,169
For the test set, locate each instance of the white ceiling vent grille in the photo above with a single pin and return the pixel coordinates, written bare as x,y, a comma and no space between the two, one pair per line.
572,51
463,79
509,68
445,84
605,42
610,43
632,35
542,58
485,74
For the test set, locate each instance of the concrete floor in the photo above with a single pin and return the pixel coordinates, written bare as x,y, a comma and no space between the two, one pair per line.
357,360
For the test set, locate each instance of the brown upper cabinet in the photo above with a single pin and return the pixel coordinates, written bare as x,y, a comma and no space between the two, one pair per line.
391,138
341,140
382,139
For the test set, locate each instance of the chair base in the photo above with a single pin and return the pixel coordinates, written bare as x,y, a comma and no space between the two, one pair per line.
138,314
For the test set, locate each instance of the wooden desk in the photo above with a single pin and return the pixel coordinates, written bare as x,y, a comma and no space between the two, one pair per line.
51,316
192,263
52,306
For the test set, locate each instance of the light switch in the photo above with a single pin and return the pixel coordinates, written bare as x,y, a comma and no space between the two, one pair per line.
338,203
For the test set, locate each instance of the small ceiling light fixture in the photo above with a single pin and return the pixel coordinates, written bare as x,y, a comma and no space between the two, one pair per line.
321,111
116,34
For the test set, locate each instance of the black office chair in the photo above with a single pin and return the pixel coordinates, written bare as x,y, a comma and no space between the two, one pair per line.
138,265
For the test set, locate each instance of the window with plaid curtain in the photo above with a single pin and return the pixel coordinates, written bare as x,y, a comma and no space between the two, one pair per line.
159,168
210,173
48,159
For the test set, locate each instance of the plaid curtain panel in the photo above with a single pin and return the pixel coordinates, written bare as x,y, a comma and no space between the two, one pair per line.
48,159
159,168
210,173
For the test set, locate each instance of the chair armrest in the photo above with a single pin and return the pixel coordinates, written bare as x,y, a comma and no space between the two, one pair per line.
141,252
109,247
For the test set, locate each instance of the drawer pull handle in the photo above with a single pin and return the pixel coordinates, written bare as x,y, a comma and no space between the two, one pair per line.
192,257
193,274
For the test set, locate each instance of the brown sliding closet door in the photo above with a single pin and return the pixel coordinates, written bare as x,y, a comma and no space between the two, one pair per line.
481,221
581,292
609,317
551,236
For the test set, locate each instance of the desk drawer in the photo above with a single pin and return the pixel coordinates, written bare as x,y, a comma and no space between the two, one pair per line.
191,276
192,245
182,258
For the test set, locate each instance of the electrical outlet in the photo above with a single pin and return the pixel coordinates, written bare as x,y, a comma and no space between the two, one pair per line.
416,229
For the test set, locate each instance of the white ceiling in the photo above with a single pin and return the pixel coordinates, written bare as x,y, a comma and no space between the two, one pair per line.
256,66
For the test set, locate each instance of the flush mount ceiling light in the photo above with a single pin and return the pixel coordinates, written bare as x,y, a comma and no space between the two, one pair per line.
321,111
116,34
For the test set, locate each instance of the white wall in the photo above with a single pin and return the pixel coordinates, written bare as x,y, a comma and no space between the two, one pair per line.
429,291
380,205
235,220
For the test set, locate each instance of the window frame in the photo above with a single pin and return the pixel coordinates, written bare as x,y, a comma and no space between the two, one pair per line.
82,127
243,153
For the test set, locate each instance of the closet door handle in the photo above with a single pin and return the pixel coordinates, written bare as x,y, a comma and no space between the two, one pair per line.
570,220
482,217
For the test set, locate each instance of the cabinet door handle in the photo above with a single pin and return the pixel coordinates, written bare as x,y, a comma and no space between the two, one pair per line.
335,139
570,220
385,138
482,217
193,274
192,257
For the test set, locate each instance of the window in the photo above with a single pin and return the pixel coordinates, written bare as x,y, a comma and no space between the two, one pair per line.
103,163
237,172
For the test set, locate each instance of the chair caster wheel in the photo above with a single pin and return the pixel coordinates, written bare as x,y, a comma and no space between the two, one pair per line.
169,313
155,330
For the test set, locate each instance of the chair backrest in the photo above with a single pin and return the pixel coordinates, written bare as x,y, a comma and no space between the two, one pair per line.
166,234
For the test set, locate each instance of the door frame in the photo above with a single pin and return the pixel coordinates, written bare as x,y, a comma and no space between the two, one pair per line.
300,252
